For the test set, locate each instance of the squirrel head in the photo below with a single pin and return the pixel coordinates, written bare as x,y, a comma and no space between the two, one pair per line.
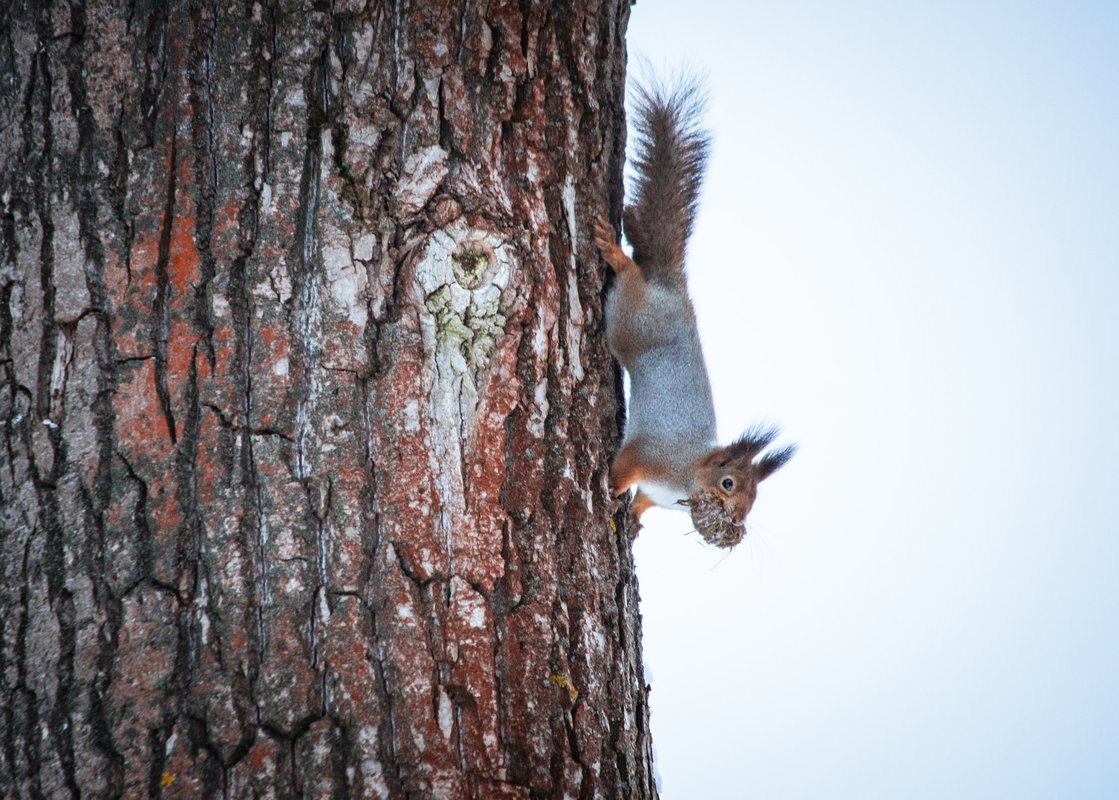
728,479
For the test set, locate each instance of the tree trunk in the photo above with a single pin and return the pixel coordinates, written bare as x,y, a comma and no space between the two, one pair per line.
306,405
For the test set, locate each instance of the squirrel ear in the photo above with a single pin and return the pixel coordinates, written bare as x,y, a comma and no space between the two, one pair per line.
752,442
771,462
716,457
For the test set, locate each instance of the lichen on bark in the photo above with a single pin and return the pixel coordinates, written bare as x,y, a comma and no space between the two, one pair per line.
306,405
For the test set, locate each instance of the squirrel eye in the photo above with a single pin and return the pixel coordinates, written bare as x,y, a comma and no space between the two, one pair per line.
727,484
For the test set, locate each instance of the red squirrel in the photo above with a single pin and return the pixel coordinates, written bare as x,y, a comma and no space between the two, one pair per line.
669,451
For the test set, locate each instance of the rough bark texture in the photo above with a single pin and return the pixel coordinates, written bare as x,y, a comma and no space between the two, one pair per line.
306,408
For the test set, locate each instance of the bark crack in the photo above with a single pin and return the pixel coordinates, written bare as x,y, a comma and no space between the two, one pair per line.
161,313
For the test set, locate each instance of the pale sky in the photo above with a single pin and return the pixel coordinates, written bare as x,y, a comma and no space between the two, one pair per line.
908,257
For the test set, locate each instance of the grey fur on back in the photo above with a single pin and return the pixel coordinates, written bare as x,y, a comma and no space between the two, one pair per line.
669,157
670,394
651,328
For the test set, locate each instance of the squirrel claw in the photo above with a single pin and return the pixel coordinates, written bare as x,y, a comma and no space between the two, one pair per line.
606,241
604,238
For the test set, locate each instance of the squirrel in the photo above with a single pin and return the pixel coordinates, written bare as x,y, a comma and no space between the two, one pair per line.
669,450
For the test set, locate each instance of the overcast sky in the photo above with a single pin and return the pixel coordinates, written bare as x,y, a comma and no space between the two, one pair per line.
908,257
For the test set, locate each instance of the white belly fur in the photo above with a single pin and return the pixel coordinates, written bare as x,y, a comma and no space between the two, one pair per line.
664,495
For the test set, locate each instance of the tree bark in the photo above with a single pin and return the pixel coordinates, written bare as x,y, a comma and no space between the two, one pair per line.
306,405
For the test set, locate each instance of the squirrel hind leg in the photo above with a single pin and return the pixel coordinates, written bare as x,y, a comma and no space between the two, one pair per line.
641,504
626,469
606,241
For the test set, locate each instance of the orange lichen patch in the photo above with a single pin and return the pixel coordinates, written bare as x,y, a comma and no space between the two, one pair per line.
219,388
402,447
528,644
201,366
183,261
257,773
563,682
226,235
144,257
479,552
472,687
165,513
288,687
212,699
116,273
132,290
344,346
273,339
343,460
353,692
142,669
274,372
181,345
262,754
224,338
143,439
228,216
182,772
210,472
141,428
409,666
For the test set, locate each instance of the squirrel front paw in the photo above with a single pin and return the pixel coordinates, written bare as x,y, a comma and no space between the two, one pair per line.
606,241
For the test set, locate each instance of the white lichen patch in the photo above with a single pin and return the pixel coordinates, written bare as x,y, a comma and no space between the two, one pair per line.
371,769
574,304
219,305
412,416
462,275
364,246
295,97
446,715
346,282
60,370
467,326
423,171
362,39
460,278
71,293
468,604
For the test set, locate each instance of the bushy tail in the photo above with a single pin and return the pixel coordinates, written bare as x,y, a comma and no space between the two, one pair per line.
669,157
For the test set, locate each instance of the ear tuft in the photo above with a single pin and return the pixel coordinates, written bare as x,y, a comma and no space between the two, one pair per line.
771,462
752,442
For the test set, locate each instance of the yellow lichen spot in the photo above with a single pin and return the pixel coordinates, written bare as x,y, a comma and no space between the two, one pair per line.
613,525
561,682
166,780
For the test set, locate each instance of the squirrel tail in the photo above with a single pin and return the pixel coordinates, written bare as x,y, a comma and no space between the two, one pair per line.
669,158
